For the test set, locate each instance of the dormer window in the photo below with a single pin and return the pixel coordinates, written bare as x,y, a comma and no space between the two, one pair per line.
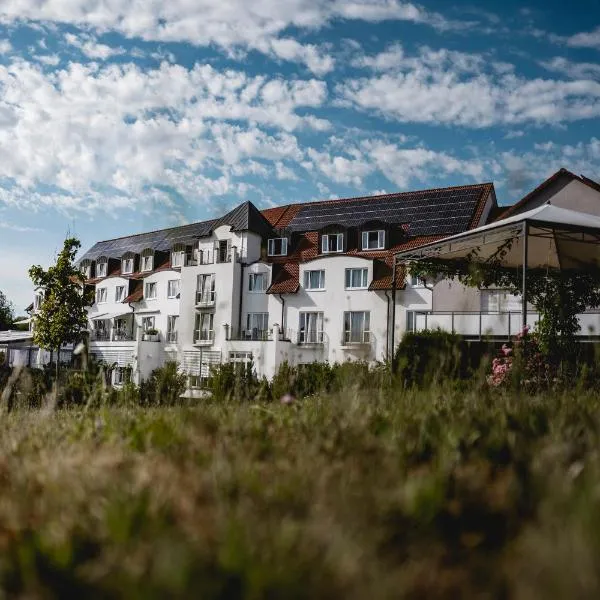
178,258
101,267
127,265
277,247
86,270
147,260
373,240
332,242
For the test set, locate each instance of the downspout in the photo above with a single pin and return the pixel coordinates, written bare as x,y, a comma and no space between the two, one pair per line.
282,299
387,327
239,325
393,314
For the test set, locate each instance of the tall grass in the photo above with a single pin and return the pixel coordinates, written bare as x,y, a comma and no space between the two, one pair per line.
385,493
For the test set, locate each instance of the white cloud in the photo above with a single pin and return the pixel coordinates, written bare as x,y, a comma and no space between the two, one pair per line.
459,89
283,172
91,48
590,39
572,69
341,169
229,24
5,47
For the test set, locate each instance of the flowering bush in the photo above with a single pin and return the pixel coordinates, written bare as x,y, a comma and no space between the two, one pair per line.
527,354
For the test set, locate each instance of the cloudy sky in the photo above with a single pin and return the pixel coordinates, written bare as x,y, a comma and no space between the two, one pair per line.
118,117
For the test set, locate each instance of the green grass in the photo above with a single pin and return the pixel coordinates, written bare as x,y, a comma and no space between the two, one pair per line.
438,494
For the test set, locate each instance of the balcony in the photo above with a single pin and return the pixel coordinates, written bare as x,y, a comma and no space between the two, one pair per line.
500,325
356,338
100,335
120,335
204,337
250,335
205,298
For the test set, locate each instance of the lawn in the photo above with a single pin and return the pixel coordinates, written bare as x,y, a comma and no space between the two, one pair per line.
440,494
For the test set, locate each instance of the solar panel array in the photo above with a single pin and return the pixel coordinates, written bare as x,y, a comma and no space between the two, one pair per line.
433,212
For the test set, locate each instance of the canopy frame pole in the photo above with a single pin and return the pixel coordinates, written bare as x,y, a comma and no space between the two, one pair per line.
525,257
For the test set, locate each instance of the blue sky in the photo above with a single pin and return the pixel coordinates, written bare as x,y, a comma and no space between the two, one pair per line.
118,117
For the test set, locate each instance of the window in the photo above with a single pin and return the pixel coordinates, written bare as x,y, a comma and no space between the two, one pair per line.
257,326
410,320
204,327
244,358
197,382
127,266
373,240
148,323
121,375
37,301
223,251
277,247
172,328
356,279
356,327
147,260
101,269
332,242
205,290
120,293
178,258
101,330
314,280
415,281
100,295
173,288
87,270
257,282
311,328
150,291
122,332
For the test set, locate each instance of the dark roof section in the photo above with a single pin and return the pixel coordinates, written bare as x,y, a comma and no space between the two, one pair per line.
564,173
242,218
441,211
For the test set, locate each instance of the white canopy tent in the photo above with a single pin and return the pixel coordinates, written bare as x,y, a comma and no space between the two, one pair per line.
545,237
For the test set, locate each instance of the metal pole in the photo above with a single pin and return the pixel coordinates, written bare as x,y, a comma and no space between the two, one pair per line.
525,251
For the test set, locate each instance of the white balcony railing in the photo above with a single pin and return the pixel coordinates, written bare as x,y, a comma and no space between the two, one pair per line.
204,337
311,337
356,336
205,298
505,325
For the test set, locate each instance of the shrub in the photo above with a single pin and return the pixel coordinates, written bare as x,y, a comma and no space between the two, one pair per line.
237,382
164,387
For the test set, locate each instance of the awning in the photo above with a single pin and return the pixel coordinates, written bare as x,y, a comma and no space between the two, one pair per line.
100,316
146,312
22,321
118,316
556,238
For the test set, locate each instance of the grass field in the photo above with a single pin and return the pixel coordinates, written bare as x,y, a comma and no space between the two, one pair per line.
438,494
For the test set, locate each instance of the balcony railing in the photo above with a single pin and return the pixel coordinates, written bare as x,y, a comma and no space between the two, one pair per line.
354,337
100,335
251,335
205,298
120,335
311,337
500,325
204,337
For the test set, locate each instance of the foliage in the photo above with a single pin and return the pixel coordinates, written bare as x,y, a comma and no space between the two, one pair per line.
164,387
436,493
558,295
62,315
237,382
6,313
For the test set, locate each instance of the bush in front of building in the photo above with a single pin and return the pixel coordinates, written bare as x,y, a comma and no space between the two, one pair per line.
164,387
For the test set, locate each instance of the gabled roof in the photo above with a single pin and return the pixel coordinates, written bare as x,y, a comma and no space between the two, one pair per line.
245,217
567,175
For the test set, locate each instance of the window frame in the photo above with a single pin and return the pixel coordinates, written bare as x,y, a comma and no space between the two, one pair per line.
98,294
198,326
271,246
147,286
380,239
262,332
169,282
123,296
143,267
121,380
104,265
179,253
414,281
304,331
364,333
172,321
148,319
325,243
364,278
124,261
252,277
307,274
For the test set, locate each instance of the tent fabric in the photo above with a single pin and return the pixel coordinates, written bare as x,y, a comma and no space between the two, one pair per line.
557,238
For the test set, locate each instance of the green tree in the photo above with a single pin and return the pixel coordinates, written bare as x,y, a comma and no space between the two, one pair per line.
62,315
6,313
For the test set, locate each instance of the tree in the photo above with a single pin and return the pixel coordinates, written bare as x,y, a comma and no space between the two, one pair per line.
6,313
62,314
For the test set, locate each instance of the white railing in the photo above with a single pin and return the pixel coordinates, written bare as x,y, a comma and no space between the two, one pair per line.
205,297
477,325
203,336
353,336
311,337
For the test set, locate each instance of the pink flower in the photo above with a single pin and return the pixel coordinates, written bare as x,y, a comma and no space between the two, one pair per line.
506,350
287,399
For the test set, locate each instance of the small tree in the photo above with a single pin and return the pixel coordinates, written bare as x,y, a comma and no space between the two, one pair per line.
62,314
6,313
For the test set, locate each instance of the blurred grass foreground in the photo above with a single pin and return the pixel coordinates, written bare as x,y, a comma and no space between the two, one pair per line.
370,488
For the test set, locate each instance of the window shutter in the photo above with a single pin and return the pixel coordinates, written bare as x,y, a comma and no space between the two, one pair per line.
382,239
365,240
340,242
270,247
228,249
306,279
324,243
284,244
